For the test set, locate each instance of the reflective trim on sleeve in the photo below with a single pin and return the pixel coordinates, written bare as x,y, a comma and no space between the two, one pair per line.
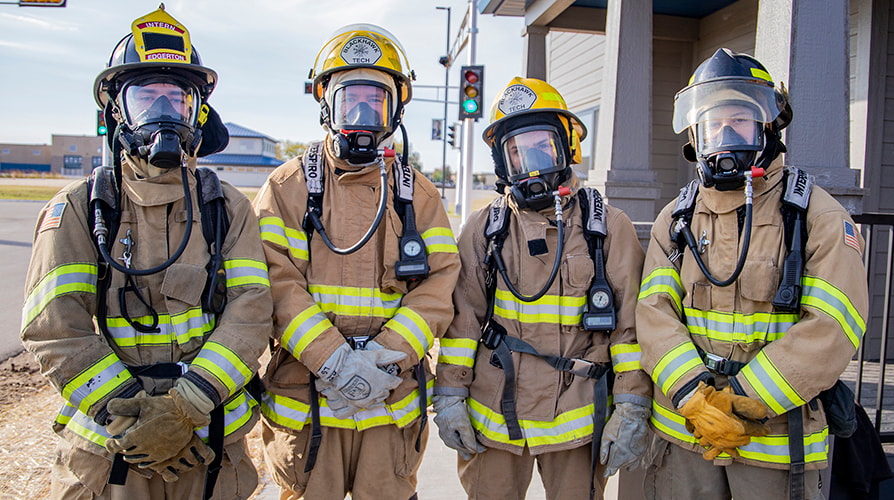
284,411
673,365
246,272
439,239
664,280
457,352
98,381
224,364
65,279
822,295
759,327
550,309
354,301
237,413
414,329
566,427
274,230
303,329
180,328
626,357
770,385
671,423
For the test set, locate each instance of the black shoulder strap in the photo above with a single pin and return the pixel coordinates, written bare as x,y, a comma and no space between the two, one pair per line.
312,164
599,314
682,214
413,264
215,225
798,185
103,204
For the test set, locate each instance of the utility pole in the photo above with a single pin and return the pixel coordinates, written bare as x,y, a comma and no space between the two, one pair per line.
468,127
446,62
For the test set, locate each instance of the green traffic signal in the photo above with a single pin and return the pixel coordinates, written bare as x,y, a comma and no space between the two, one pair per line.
470,105
101,130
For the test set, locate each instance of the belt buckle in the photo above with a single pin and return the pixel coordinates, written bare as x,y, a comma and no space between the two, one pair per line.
359,342
714,362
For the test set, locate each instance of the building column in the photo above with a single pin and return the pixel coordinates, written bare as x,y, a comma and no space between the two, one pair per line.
534,62
807,49
621,168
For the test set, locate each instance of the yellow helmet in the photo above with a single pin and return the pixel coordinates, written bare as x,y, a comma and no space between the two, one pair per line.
363,46
529,95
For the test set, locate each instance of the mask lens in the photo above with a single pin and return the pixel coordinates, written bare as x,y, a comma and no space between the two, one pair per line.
728,128
361,107
532,151
156,100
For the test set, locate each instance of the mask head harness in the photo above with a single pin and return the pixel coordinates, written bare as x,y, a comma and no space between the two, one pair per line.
734,115
362,80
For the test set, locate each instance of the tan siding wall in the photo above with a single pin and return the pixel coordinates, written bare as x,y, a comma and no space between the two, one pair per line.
671,67
733,27
575,67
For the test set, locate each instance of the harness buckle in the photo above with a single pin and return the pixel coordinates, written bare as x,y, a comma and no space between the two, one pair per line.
716,363
359,342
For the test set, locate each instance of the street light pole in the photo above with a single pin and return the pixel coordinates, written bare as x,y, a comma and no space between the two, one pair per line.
446,62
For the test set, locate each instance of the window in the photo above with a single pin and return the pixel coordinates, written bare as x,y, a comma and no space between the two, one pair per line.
6,151
71,164
96,161
73,148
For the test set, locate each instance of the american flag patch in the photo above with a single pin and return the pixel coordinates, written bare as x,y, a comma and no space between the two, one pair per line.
850,236
53,217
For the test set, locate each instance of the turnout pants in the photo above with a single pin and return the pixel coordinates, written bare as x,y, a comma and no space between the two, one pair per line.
80,475
501,474
375,464
676,473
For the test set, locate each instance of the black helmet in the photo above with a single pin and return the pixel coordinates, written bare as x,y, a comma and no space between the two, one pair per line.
157,44
730,77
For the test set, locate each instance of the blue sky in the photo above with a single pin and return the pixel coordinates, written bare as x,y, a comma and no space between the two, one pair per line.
262,50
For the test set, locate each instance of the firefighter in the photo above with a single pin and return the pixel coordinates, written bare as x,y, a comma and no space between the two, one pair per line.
753,300
550,272
361,255
149,329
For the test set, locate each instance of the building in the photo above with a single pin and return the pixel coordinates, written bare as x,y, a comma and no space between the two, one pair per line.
246,161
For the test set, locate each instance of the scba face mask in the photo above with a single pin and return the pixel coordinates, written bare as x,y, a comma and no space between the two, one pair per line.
160,114
535,162
361,119
728,139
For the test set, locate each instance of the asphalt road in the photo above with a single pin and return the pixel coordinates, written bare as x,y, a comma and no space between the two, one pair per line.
17,220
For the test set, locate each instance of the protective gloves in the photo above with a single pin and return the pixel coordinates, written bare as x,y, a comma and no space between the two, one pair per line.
712,426
625,437
193,454
454,426
165,424
121,423
356,380
747,410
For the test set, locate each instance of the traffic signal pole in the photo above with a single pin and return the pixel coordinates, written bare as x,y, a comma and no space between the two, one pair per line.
465,175
446,87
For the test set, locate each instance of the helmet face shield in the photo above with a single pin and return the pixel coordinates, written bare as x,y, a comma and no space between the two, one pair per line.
159,99
362,106
533,151
728,127
695,100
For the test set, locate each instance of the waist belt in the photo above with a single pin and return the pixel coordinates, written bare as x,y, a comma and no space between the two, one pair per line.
159,370
719,364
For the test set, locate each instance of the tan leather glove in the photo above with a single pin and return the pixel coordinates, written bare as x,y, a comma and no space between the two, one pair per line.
749,410
164,426
455,426
713,426
192,455
120,424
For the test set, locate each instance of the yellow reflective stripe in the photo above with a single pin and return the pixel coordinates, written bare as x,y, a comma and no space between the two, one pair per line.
65,279
439,239
770,385
671,423
284,411
182,327
822,295
274,230
413,328
224,364
550,309
567,426
96,382
674,365
294,414
355,301
625,357
775,449
303,329
457,352
663,280
245,272
759,73
738,327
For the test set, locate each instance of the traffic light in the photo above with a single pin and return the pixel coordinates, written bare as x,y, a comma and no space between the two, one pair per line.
451,135
471,91
101,128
